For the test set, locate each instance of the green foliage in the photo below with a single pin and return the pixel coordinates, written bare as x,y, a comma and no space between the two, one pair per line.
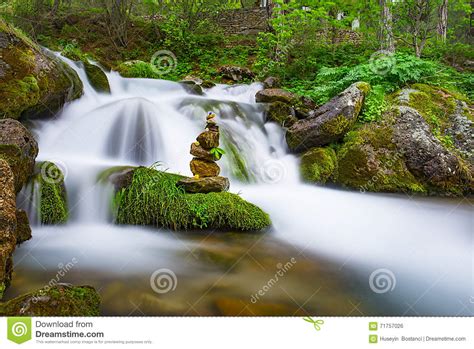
217,153
374,104
154,199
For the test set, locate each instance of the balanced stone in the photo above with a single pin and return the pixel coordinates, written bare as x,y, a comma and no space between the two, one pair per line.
208,139
199,152
204,168
204,185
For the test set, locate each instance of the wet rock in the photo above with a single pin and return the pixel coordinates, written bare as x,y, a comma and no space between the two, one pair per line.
204,185
208,139
23,229
7,224
281,113
192,88
461,131
276,95
34,83
19,148
58,300
425,156
271,82
236,74
204,168
97,78
330,122
208,84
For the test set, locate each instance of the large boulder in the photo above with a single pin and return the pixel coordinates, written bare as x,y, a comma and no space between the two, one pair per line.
420,146
281,113
55,300
330,122
271,95
425,156
19,148
33,82
7,224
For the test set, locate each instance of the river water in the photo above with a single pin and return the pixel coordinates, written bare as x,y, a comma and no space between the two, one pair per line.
329,252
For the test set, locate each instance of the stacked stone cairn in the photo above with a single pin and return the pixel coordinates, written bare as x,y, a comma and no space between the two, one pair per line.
203,166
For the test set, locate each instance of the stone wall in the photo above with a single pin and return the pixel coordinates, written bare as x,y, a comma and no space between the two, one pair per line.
243,21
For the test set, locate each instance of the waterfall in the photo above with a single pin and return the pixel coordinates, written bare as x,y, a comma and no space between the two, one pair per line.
143,121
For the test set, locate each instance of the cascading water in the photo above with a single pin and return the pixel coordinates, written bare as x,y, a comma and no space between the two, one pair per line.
425,244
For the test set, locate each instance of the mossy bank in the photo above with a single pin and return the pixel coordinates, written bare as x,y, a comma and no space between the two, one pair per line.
152,198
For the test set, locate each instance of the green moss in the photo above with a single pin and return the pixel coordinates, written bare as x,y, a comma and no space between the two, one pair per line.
337,125
364,87
2,289
138,69
318,164
60,300
97,77
369,161
18,95
154,199
238,166
53,201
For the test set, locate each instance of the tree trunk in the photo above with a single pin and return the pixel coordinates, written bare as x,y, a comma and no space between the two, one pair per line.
443,20
386,31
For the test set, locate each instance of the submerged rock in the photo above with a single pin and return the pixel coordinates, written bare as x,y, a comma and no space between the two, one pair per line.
33,82
97,78
153,198
192,87
330,122
58,300
7,224
204,185
19,148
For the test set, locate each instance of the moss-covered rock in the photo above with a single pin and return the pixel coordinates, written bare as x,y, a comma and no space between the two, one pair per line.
281,113
33,83
330,122
19,148
97,77
152,198
370,161
7,224
49,181
318,164
23,229
58,300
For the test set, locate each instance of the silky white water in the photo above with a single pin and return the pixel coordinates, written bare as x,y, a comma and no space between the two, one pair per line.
426,244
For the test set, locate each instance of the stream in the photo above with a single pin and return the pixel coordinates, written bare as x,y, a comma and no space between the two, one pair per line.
332,251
